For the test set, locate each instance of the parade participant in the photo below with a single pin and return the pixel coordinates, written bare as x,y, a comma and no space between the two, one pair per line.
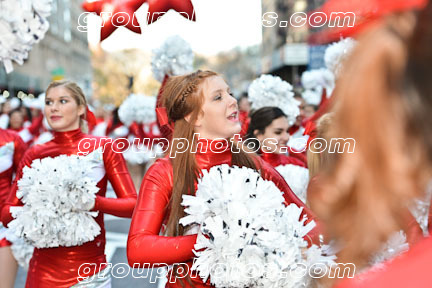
65,110
384,103
12,149
271,123
199,102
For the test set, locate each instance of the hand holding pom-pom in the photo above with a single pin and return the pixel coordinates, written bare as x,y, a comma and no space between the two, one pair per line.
246,229
58,194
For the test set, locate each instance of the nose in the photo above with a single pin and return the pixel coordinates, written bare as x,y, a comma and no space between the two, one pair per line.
285,137
232,101
54,106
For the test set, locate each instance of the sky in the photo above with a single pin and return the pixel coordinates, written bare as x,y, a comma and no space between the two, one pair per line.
220,25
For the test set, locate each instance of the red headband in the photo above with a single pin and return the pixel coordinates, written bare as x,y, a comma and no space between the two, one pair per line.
166,128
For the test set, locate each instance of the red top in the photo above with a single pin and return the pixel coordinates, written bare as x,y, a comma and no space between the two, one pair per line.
12,149
411,269
58,267
275,159
145,245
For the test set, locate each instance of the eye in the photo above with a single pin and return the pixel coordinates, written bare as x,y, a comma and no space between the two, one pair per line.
48,102
278,132
217,97
63,101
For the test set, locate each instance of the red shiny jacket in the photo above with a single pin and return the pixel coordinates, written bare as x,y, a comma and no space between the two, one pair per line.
12,149
58,267
275,159
146,246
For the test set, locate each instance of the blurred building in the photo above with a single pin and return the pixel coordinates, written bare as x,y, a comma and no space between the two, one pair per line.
285,51
63,53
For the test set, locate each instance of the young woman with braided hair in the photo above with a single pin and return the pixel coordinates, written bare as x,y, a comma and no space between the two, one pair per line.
200,102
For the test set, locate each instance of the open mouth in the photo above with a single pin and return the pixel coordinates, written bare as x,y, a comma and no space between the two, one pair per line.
233,116
55,118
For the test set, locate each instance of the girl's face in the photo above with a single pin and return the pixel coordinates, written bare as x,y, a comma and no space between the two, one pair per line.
16,120
278,130
61,110
219,117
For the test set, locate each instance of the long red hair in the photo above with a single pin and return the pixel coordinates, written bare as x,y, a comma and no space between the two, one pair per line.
183,96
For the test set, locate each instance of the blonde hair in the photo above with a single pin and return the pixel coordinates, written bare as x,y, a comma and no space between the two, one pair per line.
76,93
318,158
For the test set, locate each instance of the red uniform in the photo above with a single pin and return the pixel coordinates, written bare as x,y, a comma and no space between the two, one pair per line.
145,245
275,159
409,270
58,267
12,149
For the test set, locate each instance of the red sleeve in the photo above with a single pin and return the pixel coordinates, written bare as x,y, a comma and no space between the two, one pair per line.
269,173
121,181
145,245
36,125
13,200
20,148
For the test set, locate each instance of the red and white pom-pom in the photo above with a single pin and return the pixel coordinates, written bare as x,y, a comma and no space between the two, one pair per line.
175,57
268,90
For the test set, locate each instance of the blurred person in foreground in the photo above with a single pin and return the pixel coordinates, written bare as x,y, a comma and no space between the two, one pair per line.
384,102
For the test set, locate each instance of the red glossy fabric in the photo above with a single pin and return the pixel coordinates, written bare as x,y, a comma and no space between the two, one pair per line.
58,267
245,121
275,159
411,269
7,136
145,245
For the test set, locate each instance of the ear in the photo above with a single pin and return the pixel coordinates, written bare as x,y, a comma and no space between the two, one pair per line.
198,121
256,132
82,110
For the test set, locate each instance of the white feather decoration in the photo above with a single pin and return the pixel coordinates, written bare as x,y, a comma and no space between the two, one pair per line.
314,81
247,237
21,250
269,90
22,24
57,194
297,178
138,108
336,54
175,57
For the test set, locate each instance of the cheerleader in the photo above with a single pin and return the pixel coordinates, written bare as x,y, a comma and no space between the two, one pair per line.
65,107
12,149
384,103
271,123
200,102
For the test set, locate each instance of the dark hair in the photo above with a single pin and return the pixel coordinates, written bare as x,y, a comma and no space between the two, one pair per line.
14,111
260,120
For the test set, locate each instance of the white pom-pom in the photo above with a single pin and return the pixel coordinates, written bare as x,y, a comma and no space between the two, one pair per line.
297,178
57,194
250,239
336,54
22,24
173,58
21,250
395,245
270,90
138,108
314,81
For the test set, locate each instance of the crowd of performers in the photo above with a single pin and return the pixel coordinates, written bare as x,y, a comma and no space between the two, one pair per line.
372,205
